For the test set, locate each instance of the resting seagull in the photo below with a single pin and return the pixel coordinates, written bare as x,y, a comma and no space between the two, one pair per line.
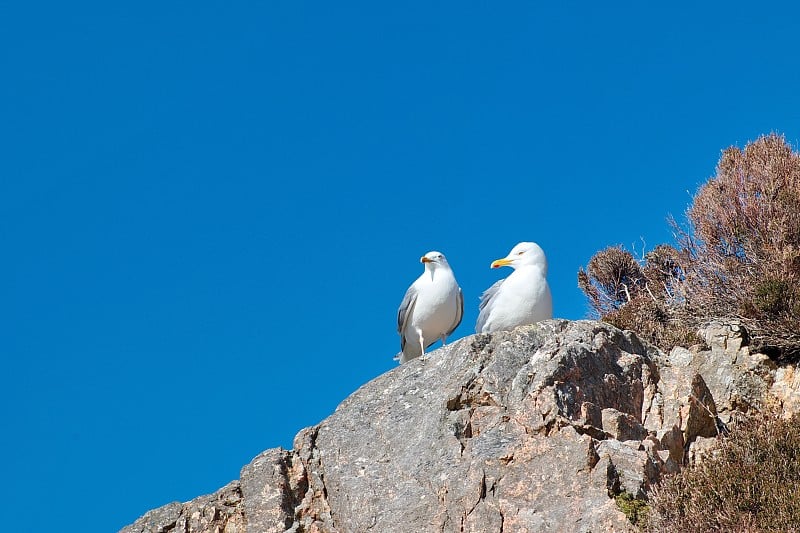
431,309
523,297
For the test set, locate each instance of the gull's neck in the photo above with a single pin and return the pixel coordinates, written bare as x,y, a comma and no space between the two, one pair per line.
436,272
533,267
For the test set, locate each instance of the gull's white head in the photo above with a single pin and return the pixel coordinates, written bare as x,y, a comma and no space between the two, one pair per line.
524,254
433,259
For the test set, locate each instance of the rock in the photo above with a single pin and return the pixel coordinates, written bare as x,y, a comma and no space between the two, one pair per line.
737,380
526,430
727,336
698,414
622,426
784,389
633,469
481,433
671,440
221,512
700,449
268,491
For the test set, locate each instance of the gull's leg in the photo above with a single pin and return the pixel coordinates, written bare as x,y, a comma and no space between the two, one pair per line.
421,345
444,338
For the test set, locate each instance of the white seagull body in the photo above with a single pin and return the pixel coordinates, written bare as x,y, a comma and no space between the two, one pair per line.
523,297
431,309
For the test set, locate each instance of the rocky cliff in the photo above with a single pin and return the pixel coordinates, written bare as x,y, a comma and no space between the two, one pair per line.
536,429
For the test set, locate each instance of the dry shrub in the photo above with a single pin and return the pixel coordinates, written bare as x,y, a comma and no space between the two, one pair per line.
739,257
612,279
743,243
646,298
750,483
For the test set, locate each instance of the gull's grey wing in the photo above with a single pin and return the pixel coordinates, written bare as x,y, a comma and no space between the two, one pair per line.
404,313
486,298
459,312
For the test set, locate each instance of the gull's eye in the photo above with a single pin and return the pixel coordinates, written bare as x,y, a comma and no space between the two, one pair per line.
520,253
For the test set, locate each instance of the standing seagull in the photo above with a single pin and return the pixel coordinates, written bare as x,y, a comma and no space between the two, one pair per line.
431,309
523,297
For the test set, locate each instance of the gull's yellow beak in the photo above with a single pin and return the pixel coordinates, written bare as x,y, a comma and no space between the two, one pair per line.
424,259
501,263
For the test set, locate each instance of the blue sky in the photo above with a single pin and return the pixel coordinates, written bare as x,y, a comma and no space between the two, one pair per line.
210,212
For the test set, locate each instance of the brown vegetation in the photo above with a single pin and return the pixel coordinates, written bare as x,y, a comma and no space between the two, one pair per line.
739,257
750,483
647,298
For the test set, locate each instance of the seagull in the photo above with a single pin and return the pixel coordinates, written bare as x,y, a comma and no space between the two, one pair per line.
521,298
431,309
